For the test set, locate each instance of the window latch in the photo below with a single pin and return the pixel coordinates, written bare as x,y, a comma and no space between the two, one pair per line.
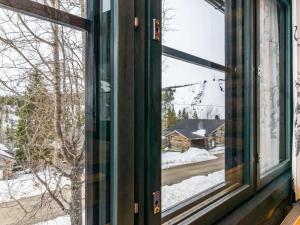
156,202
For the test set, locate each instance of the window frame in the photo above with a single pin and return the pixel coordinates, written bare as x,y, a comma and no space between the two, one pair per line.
288,102
118,179
223,203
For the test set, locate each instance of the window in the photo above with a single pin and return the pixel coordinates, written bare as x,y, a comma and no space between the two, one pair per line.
272,87
76,7
202,153
48,114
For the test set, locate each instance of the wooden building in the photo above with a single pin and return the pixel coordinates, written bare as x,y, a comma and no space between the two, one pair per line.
198,133
6,164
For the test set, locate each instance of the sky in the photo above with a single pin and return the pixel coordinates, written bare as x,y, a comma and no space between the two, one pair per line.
198,29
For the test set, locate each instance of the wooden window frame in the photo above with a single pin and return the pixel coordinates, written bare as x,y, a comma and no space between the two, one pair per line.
286,139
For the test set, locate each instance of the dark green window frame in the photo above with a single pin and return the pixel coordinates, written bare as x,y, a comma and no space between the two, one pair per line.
194,211
286,88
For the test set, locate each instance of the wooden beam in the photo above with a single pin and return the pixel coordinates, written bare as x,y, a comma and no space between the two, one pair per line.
47,13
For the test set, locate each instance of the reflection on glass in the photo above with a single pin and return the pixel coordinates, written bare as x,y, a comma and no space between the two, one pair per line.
193,130
270,69
76,7
42,125
196,27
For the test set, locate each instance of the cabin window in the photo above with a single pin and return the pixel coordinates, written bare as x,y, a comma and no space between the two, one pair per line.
272,86
197,92
47,115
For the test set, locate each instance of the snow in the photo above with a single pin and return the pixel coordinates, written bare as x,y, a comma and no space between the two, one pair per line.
3,147
192,155
201,132
105,86
27,185
217,150
181,73
176,193
62,220
3,153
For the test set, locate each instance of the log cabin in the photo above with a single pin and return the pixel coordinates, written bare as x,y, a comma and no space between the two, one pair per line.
198,133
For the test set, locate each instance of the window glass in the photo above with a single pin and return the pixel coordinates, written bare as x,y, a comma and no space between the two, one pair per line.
197,28
271,86
76,7
42,122
201,142
193,130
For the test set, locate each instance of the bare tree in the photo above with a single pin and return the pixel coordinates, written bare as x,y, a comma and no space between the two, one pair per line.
42,69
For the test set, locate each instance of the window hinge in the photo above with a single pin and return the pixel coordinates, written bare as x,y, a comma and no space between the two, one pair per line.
136,208
156,30
136,22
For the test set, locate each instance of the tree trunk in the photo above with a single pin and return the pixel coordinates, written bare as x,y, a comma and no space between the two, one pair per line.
76,197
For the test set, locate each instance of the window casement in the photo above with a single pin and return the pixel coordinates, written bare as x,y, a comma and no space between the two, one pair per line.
218,47
179,112
49,86
201,90
273,89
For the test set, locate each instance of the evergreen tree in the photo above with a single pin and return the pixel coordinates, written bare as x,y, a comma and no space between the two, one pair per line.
179,117
171,116
185,114
195,115
167,98
32,136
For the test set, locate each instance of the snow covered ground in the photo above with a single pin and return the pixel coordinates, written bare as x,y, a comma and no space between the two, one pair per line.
171,195
193,155
27,185
217,150
63,220
176,193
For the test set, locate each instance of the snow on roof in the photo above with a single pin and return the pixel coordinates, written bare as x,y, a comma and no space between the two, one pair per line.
3,148
200,132
5,154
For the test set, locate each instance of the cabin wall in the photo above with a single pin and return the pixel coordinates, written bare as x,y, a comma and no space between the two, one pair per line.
178,142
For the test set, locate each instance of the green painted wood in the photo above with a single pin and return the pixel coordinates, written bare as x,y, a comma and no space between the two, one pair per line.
123,112
153,113
288,86
140,115
262,207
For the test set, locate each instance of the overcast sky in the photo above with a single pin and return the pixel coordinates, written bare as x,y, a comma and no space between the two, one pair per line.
198,29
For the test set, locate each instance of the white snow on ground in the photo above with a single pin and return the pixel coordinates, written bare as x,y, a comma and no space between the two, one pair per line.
62,220
217,150
201,132
176,193
193,155
27,185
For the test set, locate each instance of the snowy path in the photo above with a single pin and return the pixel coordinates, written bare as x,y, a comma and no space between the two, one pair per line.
11,213
177,174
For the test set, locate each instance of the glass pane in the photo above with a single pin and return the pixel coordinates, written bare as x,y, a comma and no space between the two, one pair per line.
42,135
193,130
271,82
197,28
76,7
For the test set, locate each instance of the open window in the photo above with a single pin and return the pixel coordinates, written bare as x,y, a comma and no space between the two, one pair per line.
273,90
200,83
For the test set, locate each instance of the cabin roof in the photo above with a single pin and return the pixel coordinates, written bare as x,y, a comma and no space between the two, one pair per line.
190,127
